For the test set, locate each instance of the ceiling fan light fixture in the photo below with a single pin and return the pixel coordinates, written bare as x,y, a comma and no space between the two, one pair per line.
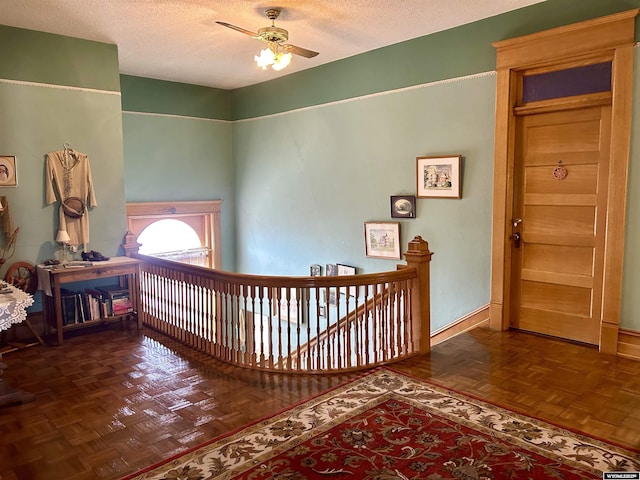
278,54
266,58
282,60
272,57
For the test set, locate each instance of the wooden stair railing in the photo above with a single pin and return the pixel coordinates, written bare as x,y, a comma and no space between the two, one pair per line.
346,324
291,324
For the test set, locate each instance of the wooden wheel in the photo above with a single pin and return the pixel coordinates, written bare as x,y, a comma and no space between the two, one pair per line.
23,276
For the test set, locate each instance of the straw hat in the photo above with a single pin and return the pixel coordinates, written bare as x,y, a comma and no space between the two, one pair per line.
73,207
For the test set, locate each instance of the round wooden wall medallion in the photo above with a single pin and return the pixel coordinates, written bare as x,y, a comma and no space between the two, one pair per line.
559,173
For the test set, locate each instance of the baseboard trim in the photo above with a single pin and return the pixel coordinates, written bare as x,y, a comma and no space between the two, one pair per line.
629,344
472,320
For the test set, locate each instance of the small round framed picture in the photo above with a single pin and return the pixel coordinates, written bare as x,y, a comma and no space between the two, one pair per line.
403,206
8,174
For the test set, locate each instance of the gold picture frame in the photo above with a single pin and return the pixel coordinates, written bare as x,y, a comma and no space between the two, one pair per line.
8,172
439,177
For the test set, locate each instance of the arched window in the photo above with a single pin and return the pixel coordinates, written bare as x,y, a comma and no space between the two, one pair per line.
166,236
175,240
183,231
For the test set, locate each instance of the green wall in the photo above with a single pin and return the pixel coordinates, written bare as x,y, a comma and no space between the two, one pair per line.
42,120
300,162
312,162
54,90
308,180
41,57
178,99
177,146
452,53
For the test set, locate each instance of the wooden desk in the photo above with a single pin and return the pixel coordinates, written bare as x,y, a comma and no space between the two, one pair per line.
126,268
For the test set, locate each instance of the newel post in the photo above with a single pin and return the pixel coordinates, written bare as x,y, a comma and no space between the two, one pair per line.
419,256
130,244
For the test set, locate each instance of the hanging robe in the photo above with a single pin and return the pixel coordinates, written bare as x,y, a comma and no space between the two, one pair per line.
69,175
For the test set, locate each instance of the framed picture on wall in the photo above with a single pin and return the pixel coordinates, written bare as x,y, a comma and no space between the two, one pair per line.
403,206
382,240
315,270
8,172
439,176
333,297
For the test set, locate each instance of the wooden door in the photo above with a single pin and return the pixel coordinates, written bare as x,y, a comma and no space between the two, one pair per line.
560,195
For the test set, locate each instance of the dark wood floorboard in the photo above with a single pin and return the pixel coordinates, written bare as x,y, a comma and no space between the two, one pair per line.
110,402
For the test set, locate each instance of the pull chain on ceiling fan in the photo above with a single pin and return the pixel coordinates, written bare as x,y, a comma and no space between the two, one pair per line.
277,54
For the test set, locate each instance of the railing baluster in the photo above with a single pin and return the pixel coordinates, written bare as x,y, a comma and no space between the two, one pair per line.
271,357
291,306
357,326
366,320
393,292
261,299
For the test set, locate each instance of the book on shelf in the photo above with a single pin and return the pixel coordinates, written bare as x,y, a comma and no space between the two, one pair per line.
114,291
68,304
122,305
118,299
96,303
81,314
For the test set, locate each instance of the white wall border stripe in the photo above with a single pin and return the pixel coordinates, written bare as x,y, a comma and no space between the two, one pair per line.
303,109
378,94
57,87
329,104
170,115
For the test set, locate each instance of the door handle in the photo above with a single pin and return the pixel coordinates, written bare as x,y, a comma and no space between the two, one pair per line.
516,239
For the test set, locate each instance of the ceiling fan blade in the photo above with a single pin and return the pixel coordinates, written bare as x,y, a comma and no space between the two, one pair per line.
303,52
240,29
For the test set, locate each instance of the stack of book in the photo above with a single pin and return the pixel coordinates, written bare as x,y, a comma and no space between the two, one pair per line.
118,299
94,304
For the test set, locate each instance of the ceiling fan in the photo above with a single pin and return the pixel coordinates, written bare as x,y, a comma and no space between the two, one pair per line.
280,55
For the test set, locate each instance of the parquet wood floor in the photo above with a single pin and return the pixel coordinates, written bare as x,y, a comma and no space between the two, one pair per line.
110,402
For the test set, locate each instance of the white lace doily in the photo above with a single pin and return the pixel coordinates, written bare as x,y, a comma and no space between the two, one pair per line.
13,307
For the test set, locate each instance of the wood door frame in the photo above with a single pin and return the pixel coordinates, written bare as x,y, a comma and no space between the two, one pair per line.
606,38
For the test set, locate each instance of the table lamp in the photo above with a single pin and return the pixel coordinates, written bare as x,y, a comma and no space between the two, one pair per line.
63,239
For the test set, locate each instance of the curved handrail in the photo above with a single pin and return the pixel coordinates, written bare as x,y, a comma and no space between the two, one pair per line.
289,324
275,280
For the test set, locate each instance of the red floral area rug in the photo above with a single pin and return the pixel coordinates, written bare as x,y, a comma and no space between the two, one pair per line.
386,426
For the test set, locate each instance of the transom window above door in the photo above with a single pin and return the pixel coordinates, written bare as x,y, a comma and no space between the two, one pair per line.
569,82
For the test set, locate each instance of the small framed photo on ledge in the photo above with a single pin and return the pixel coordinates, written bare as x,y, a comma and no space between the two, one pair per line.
348,270
403,206
439,176
382,240
331,269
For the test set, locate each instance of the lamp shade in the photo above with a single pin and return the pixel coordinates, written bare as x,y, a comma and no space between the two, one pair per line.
63,237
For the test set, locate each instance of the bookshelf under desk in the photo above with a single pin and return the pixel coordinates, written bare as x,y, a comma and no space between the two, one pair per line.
51,279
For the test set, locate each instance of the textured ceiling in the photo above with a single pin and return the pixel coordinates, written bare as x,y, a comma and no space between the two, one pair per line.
178,40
